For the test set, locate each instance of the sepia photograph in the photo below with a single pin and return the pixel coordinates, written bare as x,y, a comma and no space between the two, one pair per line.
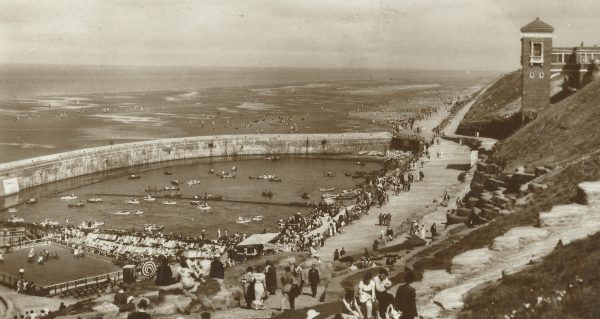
299,159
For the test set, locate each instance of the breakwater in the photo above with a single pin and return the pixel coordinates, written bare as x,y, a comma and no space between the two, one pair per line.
51,168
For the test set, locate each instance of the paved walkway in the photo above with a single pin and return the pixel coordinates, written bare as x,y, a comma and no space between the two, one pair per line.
440,174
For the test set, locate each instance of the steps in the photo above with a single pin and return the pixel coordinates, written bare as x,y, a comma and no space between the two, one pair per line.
508,254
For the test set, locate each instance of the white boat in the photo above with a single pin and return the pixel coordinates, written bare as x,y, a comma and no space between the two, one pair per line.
69,197
149,198
242,220
94,200
138,212
257,218
153,227
203,206
90,225
133,201
15,219
31,201
327,189
169,202
12,210
328,195
193,182
48,222
123,212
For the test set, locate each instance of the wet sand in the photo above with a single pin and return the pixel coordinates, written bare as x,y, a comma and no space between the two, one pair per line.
43,125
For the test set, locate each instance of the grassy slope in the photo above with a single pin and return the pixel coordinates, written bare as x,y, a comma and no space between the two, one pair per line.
565,285
564,132
499,102
562,189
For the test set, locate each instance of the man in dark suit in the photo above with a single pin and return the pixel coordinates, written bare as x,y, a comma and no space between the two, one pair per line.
313,279
405,300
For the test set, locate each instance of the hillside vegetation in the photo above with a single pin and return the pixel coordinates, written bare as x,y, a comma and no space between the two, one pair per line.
564,132
496,113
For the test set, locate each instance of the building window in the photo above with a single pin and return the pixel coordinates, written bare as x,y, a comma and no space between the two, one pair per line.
541,75
531,75
537,53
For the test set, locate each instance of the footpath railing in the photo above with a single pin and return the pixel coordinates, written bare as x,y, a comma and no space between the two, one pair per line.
83,282
31,243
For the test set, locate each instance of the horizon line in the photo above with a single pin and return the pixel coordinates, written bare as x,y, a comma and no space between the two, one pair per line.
250,67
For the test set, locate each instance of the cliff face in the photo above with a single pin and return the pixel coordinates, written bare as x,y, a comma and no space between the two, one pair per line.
565,132
496,113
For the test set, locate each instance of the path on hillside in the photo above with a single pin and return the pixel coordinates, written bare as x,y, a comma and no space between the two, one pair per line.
440,174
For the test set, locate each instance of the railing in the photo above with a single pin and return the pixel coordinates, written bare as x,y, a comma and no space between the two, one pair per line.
8,280
31,243
83,282
536,60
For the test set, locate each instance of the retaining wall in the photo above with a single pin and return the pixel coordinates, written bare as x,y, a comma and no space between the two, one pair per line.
51,168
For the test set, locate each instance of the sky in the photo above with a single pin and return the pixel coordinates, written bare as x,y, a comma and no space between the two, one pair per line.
391,34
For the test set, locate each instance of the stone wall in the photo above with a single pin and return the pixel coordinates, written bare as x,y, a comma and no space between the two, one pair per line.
51,168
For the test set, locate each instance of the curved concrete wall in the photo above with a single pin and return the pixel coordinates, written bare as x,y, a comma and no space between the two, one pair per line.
46,169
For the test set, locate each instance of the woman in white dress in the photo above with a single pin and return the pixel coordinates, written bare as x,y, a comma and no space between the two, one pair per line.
366,294
259,288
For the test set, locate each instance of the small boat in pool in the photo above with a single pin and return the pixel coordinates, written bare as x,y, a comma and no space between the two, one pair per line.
359,163
122,212
208,196
272,157
329,195
14,219
138,212
212,171
69,197
133,176
171,188
348,174
242,220
329,174
149,198
48,222
175,182
327,189
12,210
168,172
76,205
169,202
193,182
203,206
133,201
91,225
223,174
257,218
305,196
94,200
153,227
31,201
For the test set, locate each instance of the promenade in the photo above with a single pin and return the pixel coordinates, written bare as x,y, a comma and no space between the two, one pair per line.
440,174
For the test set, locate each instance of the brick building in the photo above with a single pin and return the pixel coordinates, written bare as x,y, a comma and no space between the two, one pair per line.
543,64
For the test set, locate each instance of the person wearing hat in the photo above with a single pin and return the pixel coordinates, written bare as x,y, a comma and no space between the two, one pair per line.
311,314
140,313
314,277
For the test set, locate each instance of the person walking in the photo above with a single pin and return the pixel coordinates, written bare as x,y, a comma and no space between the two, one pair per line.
259,289
271,273
289,289
314,277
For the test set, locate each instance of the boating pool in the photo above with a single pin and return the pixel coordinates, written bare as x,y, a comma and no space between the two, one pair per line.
242,195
